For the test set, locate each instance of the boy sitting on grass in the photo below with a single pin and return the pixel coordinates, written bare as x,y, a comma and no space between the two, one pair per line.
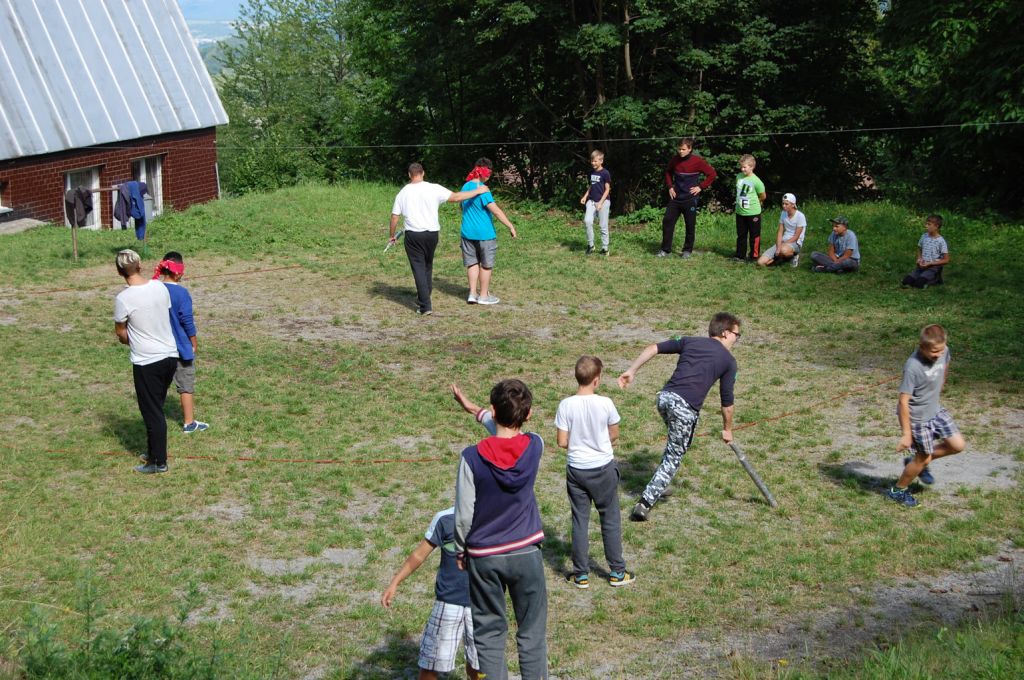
926,426
171,269
451,619
588,426
497,532
843,250
789,240
932,256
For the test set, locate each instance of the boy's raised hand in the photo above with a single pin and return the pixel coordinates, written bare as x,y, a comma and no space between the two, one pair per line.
465,403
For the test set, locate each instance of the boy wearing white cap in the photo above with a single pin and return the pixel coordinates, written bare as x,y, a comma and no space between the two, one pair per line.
790,238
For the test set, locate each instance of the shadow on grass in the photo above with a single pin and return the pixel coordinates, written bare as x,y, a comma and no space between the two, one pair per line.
129,428
636,469
404,296
556,551
396,657
860,476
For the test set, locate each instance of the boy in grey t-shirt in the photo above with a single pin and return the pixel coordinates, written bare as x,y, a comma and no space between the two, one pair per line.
927,427
843,250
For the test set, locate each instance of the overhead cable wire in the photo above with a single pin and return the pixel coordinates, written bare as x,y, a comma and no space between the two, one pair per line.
604,140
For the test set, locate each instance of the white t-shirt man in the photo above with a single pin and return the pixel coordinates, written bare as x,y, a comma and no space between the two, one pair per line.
791,224
146,309
586,418
418,202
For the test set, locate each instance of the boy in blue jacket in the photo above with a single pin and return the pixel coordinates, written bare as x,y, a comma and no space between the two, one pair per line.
497,532
171,269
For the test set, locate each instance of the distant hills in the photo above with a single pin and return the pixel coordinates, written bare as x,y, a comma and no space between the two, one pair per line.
213,53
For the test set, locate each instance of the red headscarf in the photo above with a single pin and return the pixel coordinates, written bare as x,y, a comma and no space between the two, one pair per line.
168,267
479,172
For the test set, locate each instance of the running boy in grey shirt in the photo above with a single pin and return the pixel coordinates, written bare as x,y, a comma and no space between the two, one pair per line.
927,427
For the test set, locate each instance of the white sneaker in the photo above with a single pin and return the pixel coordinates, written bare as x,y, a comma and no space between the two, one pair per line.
488,300
795,262
471,300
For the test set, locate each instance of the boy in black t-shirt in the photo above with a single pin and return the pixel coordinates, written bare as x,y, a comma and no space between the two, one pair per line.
702,361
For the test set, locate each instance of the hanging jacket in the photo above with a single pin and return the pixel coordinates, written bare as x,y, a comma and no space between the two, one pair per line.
78,205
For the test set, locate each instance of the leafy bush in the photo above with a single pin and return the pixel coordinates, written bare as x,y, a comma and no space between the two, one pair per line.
643,215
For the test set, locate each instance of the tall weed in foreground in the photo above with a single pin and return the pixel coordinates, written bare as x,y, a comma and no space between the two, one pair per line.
148,647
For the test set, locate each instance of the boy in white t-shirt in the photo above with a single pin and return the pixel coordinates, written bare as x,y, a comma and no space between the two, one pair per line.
790,238
588,425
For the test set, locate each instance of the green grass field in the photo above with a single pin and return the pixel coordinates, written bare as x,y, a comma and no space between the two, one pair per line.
309,351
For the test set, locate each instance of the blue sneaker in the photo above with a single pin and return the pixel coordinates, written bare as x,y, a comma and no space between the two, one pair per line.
196,426
150,469
620,578
926,476
578,580
901,496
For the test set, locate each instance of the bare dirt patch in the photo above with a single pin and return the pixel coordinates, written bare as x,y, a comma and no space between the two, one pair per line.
224,511
973,469
830,633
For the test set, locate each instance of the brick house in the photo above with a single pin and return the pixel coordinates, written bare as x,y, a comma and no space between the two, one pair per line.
98,92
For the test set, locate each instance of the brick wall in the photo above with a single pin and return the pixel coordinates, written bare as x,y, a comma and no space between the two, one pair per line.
34,186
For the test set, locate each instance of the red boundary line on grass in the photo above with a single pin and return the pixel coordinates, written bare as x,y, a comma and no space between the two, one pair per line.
254,459
105,285
434,459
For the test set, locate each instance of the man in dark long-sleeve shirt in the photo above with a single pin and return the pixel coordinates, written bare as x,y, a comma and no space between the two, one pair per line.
683,178
702,361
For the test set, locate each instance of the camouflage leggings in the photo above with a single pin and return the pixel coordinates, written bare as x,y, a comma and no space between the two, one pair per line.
681,420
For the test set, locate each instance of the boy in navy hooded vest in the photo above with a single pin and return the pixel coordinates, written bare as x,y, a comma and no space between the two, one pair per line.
497,532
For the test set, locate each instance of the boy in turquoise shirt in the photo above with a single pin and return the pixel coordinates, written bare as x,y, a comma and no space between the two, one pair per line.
479,239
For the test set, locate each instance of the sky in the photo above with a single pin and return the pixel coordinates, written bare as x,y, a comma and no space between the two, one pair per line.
209,19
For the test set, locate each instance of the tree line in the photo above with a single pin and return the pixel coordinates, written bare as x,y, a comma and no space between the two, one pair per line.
835,98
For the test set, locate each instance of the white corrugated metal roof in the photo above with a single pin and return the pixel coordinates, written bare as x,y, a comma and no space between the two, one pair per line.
76,73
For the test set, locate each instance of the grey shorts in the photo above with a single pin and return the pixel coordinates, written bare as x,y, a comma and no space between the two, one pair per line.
479,252
185,377
770,253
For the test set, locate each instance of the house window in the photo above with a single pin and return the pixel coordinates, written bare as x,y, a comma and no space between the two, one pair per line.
4,208
150,171
90,179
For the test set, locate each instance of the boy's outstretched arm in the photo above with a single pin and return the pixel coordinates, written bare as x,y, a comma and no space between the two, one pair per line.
412,563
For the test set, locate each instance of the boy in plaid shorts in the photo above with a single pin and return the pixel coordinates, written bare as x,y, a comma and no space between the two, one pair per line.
451,619
927,427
